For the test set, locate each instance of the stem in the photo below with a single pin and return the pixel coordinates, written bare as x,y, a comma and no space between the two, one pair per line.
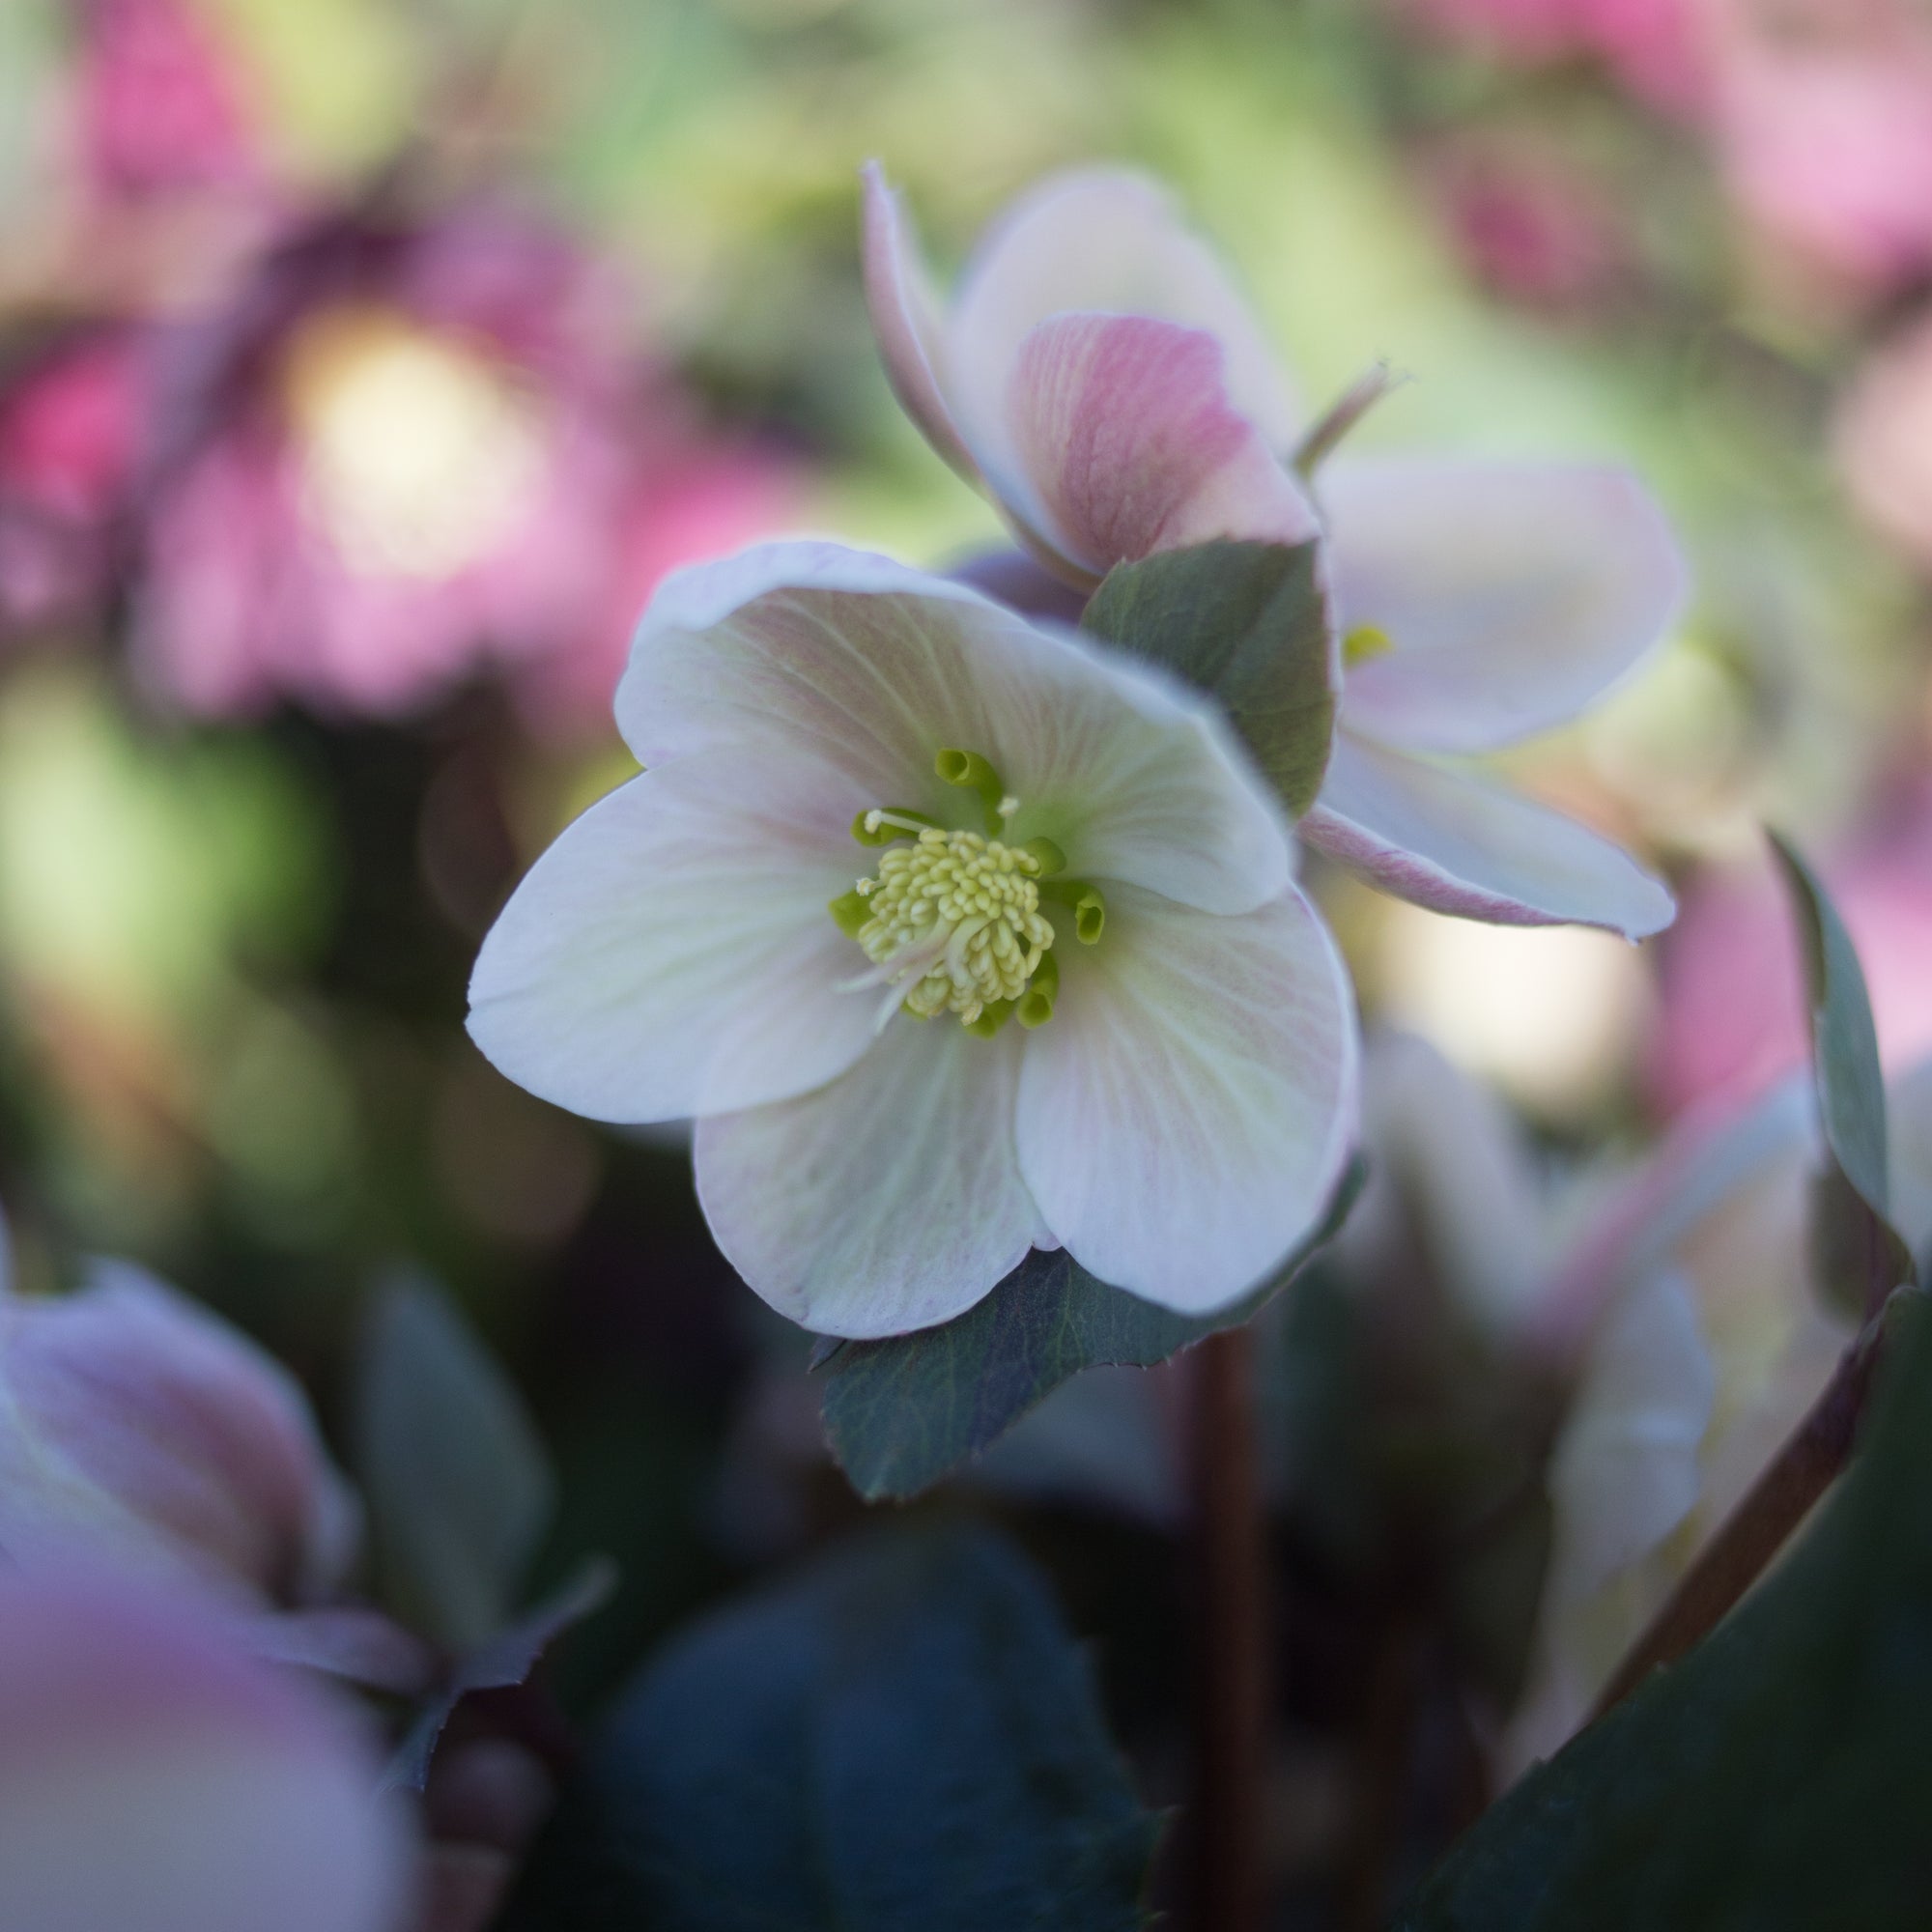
1232,1668
1758,1527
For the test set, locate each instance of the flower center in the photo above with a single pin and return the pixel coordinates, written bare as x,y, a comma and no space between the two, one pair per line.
1366,642
953,919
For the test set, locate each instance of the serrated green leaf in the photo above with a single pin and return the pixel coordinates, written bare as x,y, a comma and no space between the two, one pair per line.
1249,622
904,1735
457,1480
1858,1257
1774,1779
903,1412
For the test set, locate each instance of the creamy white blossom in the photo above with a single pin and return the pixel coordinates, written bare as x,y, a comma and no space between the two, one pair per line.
1100,377
957,934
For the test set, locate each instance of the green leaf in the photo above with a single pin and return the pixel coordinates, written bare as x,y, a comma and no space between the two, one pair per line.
498,1663
458,1483
1774,1779
1859,1255
1249,622
903,1412
903,1735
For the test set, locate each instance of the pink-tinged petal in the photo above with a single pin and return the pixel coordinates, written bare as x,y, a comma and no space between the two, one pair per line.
136,1424
905,320
672,953
1514,593
1102,240
1457,845
888,1201
872,669
1122,441
157,1779
1185,1114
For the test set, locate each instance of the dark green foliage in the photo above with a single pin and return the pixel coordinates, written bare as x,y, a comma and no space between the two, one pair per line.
903,1412
903,1736
1859,1255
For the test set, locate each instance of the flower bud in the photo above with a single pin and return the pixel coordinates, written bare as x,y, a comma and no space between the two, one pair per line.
137,1425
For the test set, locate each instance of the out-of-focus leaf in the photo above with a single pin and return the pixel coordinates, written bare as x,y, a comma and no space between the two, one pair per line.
1775,1778
902,1736
505,1660
902,1411
1249,622
458,1484
1859,1255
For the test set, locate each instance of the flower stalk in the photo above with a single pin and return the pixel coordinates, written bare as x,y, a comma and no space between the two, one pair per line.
1232,1692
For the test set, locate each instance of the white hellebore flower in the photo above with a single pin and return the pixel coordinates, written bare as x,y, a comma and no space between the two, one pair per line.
1101,379
957,935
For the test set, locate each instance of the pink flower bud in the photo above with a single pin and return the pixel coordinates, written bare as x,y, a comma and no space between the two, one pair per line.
134,1423
156,1777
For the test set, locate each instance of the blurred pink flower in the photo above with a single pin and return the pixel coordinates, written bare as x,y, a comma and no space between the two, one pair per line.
71,421
1823,120
407,453
1655,47
157,106
136,1425
1730,1016
157,1779
1529,227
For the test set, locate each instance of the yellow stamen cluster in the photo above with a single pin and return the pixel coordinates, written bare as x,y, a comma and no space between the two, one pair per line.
961,913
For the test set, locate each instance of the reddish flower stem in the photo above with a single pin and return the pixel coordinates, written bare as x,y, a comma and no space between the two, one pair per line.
1232,1676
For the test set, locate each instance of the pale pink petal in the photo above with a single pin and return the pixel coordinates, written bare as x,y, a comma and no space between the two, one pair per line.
874,669
672,953
1124,442
1185,1114
1513,593
1104,241
888,1201
137,1424
156,1776
1457,845
905,319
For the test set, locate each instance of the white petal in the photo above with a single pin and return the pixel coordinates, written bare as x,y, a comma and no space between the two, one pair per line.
1103,240
890,1199
1514,593
1185,1114
875,668
905,320
1624,1474
672,953
1457,845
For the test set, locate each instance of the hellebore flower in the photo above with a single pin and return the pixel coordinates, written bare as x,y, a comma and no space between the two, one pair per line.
70,422
1062,990
136,1425
157,1779
403,454
1099,375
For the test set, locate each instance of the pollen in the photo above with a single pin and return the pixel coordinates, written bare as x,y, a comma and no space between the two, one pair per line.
954,924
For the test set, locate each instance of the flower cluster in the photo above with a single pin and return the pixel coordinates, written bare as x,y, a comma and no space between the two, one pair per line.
1078,1000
